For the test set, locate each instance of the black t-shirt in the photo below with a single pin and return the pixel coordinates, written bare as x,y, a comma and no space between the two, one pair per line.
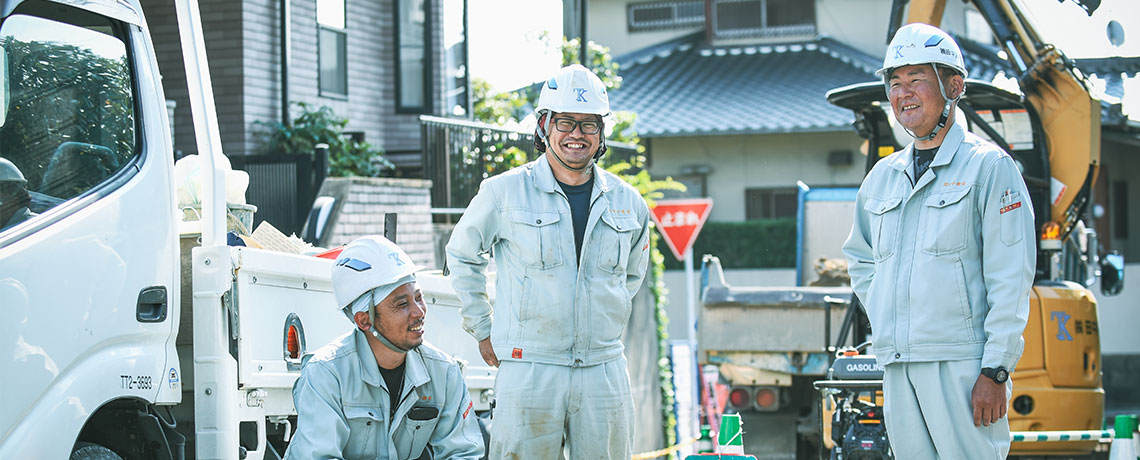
579,198
394,379
922,159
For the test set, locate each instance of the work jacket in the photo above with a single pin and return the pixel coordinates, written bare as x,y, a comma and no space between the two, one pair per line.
343,407
944,265
550,307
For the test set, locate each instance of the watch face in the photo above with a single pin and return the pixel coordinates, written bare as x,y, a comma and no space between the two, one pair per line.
1001,375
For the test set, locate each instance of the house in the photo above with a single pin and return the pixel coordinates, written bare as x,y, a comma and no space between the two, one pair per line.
380,63
730,97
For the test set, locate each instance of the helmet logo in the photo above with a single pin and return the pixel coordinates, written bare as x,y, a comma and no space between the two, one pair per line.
552,83
934,40
355,264
898,51
396,259
581,92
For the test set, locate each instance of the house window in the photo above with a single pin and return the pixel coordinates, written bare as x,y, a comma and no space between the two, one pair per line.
665,15
762,18
412,78
332,53
455,49
769,203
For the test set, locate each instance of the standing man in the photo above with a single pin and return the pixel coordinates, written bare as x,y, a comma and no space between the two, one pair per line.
941,254
570,242
380,392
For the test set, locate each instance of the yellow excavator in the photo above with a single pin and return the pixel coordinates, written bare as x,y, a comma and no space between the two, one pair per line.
1052,129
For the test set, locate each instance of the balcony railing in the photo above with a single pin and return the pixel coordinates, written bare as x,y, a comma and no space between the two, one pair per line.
459,154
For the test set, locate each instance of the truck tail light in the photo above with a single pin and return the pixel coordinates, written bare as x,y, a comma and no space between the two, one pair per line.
767,399
293,342
739,398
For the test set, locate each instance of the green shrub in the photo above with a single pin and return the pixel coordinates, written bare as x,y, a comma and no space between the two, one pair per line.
321,126
766,243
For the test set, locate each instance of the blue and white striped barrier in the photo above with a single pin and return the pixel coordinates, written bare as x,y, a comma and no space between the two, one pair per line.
1054,436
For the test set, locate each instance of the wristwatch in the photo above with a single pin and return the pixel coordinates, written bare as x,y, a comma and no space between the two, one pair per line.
1000,375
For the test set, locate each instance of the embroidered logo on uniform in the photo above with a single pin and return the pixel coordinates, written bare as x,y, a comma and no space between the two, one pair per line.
645,247
516,353
468,411
1010,200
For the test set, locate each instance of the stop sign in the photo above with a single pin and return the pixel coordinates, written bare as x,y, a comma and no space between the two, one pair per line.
680,221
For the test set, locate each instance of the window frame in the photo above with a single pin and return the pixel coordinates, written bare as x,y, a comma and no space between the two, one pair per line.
130,33
770,194
674,23
343,58
424,108
765,30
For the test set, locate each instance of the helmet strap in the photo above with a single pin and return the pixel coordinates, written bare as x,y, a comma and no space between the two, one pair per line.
945,116
541,132
376,332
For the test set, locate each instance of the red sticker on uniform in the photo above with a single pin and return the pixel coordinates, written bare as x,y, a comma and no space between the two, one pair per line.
516,353
1010,207
468,411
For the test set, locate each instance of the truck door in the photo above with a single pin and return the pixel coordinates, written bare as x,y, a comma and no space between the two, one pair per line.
88,256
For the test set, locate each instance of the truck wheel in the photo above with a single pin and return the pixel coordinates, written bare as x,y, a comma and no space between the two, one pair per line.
89,451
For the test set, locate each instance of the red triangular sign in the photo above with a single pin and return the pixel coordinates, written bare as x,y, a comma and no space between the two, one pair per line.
680,221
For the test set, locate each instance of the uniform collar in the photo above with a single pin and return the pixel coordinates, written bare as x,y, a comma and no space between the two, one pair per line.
544,176
415,371
954,137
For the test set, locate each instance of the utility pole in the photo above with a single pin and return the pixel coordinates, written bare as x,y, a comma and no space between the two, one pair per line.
584,50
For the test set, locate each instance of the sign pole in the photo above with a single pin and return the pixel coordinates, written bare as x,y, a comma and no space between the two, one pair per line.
692,332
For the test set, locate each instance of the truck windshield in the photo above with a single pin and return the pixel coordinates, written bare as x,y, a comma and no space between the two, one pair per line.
69,118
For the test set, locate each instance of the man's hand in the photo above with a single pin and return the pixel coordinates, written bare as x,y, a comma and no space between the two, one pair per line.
989,401
489,353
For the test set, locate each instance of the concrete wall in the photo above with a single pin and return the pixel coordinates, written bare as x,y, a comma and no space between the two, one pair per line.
362,203
609,26
756,161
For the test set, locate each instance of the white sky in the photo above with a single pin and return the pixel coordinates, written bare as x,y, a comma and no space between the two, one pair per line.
505,41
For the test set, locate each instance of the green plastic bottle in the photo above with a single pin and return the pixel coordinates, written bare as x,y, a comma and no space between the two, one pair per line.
705,441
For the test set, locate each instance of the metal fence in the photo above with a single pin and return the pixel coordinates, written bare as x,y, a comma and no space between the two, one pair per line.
459,154
283,186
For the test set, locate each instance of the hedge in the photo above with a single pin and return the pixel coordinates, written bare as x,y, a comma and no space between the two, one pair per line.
765,243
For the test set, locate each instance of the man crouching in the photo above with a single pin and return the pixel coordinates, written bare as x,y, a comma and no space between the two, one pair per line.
380,392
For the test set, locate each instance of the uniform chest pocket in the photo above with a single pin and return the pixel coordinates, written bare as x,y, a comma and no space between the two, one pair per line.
413,437
534,235
948,217
884,224
365,425
613,237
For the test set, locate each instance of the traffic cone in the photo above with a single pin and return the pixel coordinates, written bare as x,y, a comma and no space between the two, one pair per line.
1122,448
731,438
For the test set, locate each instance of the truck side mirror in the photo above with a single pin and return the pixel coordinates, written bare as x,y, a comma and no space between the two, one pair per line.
1112,273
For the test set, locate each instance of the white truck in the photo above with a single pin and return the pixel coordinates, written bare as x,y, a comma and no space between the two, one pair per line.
120,335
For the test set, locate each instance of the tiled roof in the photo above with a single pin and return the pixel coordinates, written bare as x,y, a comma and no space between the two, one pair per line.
681,88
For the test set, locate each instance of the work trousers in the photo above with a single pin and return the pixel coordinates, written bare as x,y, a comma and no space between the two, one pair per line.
539,408
929,414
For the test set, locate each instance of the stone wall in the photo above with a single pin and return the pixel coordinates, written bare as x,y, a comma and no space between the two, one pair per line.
361,203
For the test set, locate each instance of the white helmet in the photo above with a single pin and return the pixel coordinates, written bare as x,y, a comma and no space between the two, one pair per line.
575,89
369,265
919,43
10,173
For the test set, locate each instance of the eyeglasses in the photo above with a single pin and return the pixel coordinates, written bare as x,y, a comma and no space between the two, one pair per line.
567,125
